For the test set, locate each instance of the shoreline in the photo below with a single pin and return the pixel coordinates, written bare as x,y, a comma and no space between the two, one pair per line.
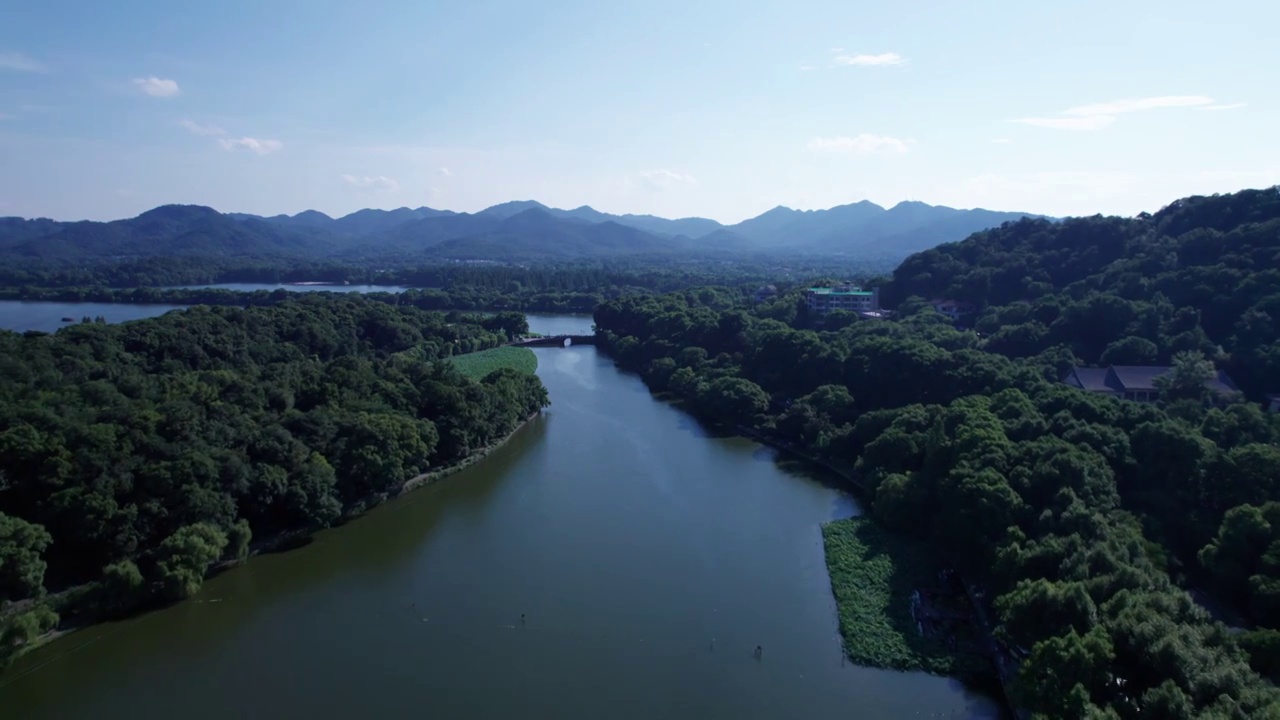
859,490
274,543
280,542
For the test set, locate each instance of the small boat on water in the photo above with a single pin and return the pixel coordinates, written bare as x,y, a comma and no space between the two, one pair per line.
68,319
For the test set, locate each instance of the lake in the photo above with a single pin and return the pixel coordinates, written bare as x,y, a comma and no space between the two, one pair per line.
647,559
21,316
293,287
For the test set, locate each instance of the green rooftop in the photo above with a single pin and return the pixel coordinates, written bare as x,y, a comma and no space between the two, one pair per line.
832,291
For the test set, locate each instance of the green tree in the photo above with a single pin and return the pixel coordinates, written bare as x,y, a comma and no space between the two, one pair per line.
1187,379
1036,609
238,537
1066,674
1130,351
22,564
185,557
734,400
22,628
121,588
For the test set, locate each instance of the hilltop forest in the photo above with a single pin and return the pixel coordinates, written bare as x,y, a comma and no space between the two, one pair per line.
1086,519
521,231
136,457
1201,275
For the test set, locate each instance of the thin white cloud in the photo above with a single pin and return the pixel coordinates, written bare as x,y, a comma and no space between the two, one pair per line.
380,183
1001,141
157,87
881,60
21,63
862,144
807,68
1116,107
196,128
1084,192
663,179
5,116
1100,115
1226,106
1095,122
445,171
261,147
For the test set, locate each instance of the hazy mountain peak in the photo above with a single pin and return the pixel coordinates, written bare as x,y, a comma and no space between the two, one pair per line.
179,212
521,228
507,209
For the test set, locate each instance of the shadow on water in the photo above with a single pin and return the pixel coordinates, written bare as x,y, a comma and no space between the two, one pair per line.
692,424
396,530
374,545
846,503
293,542
847,498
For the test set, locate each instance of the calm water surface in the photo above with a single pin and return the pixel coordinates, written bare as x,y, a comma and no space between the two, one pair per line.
647,558
21,316
293,287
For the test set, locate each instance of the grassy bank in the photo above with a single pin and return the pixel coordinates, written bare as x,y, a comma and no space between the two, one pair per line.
478,364
873,575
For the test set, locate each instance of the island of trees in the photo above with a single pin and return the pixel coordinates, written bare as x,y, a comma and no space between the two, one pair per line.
137,457
1085,520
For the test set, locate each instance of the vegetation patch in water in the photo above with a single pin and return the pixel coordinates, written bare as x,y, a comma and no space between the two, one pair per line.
478,364
874,574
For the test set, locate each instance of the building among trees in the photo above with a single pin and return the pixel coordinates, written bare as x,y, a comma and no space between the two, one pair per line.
1140,382
766,292
852,298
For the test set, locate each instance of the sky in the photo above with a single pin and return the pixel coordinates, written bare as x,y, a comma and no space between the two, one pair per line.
712,108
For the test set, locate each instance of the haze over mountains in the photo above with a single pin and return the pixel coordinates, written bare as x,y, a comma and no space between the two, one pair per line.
518,230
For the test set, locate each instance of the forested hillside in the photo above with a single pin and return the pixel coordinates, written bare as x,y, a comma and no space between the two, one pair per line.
1200,275
571,288
520,231
1085,518
136,456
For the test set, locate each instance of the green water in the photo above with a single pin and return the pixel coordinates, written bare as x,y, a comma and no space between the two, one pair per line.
648,559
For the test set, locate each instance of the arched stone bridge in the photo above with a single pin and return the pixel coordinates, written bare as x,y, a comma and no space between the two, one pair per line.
556,341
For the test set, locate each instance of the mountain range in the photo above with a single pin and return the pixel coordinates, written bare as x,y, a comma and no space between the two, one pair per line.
515,231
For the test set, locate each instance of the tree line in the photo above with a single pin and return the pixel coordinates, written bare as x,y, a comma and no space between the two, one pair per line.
1201,275
581,276
1079,514
135,457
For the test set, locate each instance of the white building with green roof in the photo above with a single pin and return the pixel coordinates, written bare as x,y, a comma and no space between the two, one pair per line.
852,298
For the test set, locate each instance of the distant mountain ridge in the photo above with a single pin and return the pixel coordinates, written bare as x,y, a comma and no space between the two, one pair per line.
517,230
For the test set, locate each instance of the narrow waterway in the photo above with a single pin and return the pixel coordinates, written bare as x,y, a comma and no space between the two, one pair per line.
646,558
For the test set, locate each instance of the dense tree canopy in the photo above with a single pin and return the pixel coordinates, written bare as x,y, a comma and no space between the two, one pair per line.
140,455
1202,274
1080,514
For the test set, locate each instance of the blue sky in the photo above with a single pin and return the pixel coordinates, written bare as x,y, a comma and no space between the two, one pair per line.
720,109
